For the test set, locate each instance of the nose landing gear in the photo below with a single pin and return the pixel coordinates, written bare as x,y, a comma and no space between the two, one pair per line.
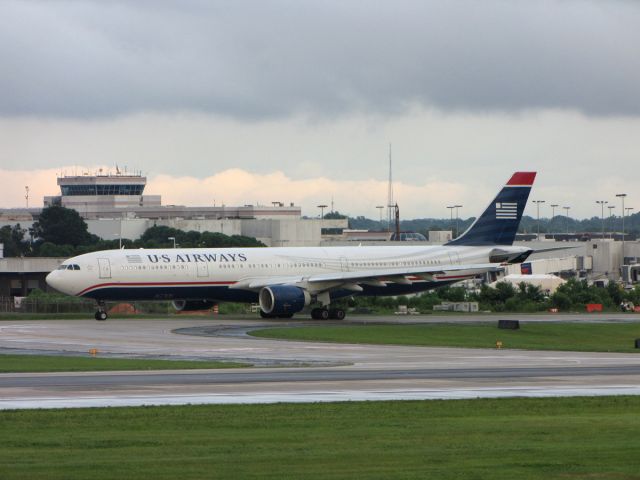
101,313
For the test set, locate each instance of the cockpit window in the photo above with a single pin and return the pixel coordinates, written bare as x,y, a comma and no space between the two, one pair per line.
73,266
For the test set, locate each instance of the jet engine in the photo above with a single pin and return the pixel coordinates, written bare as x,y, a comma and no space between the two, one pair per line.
192,305
283,300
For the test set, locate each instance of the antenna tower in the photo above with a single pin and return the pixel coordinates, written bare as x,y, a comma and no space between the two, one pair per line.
390,204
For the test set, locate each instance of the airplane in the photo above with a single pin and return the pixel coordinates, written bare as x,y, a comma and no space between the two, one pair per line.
284,280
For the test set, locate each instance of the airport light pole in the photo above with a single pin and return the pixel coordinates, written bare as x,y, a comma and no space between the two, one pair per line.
538,202
321,207
553,211
174,241
611,207
457,207
451,216
567,215
602,203
622,196
380,207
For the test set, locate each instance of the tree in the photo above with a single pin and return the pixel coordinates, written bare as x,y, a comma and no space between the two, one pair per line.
61,226
13,240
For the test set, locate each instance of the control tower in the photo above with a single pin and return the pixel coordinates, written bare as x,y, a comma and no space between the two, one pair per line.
99,196
120,196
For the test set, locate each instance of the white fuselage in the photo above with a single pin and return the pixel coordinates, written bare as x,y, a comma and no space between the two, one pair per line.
151,274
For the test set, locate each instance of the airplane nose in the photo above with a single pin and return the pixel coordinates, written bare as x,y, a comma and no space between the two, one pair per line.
53,280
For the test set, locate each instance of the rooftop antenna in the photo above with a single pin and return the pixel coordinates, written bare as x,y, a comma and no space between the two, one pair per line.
26,195
331,203
390,204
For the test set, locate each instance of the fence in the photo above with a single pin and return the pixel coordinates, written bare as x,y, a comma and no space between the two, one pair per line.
49,305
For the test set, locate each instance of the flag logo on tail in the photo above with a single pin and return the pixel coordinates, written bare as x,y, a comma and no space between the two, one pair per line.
507,210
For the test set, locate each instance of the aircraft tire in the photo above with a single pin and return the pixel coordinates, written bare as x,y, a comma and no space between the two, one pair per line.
337,314
100,315
320,314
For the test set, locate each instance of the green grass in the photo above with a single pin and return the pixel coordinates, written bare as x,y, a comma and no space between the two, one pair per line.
45,363
587,337
470,439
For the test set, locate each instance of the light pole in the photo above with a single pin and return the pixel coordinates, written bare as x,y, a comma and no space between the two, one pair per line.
457,207
538,202
321,207
119,240
451,216
622,195
553,212
602,203
611,207
567,215
174,241
380,207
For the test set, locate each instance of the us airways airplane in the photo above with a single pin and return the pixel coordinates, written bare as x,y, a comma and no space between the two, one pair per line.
285,280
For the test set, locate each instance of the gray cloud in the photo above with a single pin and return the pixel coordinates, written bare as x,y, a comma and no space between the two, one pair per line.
260,60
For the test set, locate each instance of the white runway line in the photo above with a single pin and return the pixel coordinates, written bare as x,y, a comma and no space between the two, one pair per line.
313,397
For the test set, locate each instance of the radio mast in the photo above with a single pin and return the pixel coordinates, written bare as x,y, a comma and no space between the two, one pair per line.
390,205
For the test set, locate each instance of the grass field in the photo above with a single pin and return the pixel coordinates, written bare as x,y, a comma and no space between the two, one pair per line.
471,439
596,337
44,363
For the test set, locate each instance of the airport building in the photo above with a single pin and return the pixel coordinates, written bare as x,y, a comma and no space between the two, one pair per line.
115,206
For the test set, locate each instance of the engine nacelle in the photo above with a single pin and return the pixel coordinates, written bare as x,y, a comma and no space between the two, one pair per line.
192,305
283,299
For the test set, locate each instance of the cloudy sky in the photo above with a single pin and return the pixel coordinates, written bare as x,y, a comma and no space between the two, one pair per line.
242,102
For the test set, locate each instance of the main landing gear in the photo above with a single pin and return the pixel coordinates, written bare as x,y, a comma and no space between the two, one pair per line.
327,313
101,313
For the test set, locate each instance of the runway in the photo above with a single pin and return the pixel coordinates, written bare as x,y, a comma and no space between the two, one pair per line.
291,371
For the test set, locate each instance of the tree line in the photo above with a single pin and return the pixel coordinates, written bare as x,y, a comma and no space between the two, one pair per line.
572,296
557,224
61,232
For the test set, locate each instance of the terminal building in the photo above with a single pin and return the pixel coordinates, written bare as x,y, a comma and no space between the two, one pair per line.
115,206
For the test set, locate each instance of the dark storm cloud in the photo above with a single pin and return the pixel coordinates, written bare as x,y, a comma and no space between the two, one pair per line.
267,59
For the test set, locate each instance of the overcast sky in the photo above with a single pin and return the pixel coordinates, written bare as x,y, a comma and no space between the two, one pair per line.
256,101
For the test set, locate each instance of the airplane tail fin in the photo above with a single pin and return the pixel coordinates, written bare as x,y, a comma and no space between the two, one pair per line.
499,222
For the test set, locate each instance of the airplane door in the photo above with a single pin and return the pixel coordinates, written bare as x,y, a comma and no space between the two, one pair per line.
344,264
104,267
203,271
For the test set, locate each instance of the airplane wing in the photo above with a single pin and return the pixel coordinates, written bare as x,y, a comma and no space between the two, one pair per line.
379,277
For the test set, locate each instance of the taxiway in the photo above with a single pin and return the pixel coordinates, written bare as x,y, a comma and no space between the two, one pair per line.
292,371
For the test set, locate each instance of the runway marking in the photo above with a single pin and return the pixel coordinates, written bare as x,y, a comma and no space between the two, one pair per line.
316,396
